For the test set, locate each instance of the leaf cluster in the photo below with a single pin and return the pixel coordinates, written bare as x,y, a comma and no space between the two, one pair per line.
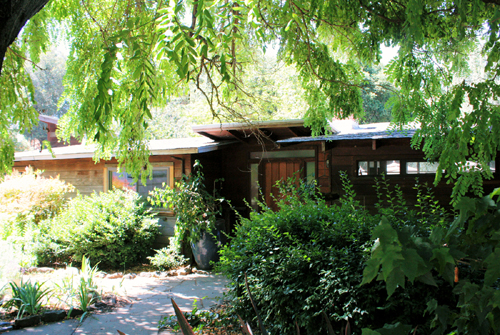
113,228
308,258
463,254
196,208
27,297
30,197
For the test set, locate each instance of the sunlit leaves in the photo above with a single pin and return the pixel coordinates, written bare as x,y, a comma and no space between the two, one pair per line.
129,57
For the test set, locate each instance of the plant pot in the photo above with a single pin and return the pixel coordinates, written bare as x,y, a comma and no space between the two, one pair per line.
207,248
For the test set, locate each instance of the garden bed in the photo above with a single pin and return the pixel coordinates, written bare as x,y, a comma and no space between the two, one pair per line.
113,289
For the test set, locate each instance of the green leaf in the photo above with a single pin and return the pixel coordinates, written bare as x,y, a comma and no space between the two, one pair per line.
367,331
442,255
493,270
395,278
370,271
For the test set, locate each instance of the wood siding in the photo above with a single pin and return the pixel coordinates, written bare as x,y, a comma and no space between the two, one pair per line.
345,156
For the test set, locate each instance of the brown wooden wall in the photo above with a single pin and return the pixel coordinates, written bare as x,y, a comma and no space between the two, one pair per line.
344,156
233,164
88,176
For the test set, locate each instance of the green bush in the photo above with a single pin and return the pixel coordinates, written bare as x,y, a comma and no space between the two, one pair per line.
167,258
308,258
463,255
113,229
287,254
28,198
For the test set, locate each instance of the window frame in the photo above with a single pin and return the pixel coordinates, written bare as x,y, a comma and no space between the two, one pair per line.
158,166
369,160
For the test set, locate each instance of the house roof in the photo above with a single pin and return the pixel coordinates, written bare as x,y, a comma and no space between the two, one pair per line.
373,131
48,119
176,146
275,130
219,135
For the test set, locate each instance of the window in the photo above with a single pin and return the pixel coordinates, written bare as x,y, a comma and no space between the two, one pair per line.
471,166
162,174
375,168
421,167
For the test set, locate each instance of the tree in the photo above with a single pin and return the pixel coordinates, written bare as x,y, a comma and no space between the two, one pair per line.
130,56
376,93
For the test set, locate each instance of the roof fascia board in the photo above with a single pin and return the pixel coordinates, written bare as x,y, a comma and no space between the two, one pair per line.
178,151
247,126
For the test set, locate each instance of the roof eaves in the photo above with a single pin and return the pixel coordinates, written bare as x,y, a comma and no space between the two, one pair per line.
353,136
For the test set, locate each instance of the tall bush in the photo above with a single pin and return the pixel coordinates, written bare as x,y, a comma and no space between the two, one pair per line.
113,228
308,258
28,198
465,255
289,254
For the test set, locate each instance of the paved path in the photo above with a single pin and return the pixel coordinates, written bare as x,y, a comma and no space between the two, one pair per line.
150,303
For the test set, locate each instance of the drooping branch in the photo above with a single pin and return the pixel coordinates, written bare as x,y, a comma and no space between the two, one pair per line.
13,16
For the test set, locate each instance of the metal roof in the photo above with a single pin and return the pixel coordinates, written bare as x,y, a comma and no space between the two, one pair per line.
176,146
373,131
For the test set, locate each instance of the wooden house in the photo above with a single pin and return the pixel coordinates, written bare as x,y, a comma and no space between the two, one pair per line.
245,161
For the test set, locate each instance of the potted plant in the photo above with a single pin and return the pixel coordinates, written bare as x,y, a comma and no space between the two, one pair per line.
197,212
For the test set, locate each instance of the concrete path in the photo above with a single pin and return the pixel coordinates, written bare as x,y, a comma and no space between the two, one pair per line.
149,304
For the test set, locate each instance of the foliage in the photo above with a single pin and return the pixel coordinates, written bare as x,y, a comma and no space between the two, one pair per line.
113,228
48,83
219,320
27,297
464,255
29,197
129,57
376,93
87,290
48,86
298,260
167,258
195,207
308,258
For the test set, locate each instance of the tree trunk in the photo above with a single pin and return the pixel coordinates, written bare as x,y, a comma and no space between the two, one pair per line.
13,16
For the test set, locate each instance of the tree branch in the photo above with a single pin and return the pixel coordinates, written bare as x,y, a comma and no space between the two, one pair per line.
26,59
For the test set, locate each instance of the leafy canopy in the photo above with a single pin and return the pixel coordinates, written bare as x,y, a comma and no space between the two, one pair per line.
127,57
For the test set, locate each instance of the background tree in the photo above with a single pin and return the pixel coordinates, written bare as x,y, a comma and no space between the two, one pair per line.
129,57
47,80
377,91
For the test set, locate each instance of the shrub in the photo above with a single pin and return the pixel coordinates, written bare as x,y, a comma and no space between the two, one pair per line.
112,228
465,255
308,258
25,200
29,197
167,258
289,255
27,297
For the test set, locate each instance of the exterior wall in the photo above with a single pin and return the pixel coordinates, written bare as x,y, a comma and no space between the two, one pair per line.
345,156
88,177
233,164
83,173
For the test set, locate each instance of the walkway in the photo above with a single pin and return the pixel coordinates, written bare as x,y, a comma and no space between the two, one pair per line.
149,304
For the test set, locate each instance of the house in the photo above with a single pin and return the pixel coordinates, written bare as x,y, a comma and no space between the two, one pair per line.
249,155
51,127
